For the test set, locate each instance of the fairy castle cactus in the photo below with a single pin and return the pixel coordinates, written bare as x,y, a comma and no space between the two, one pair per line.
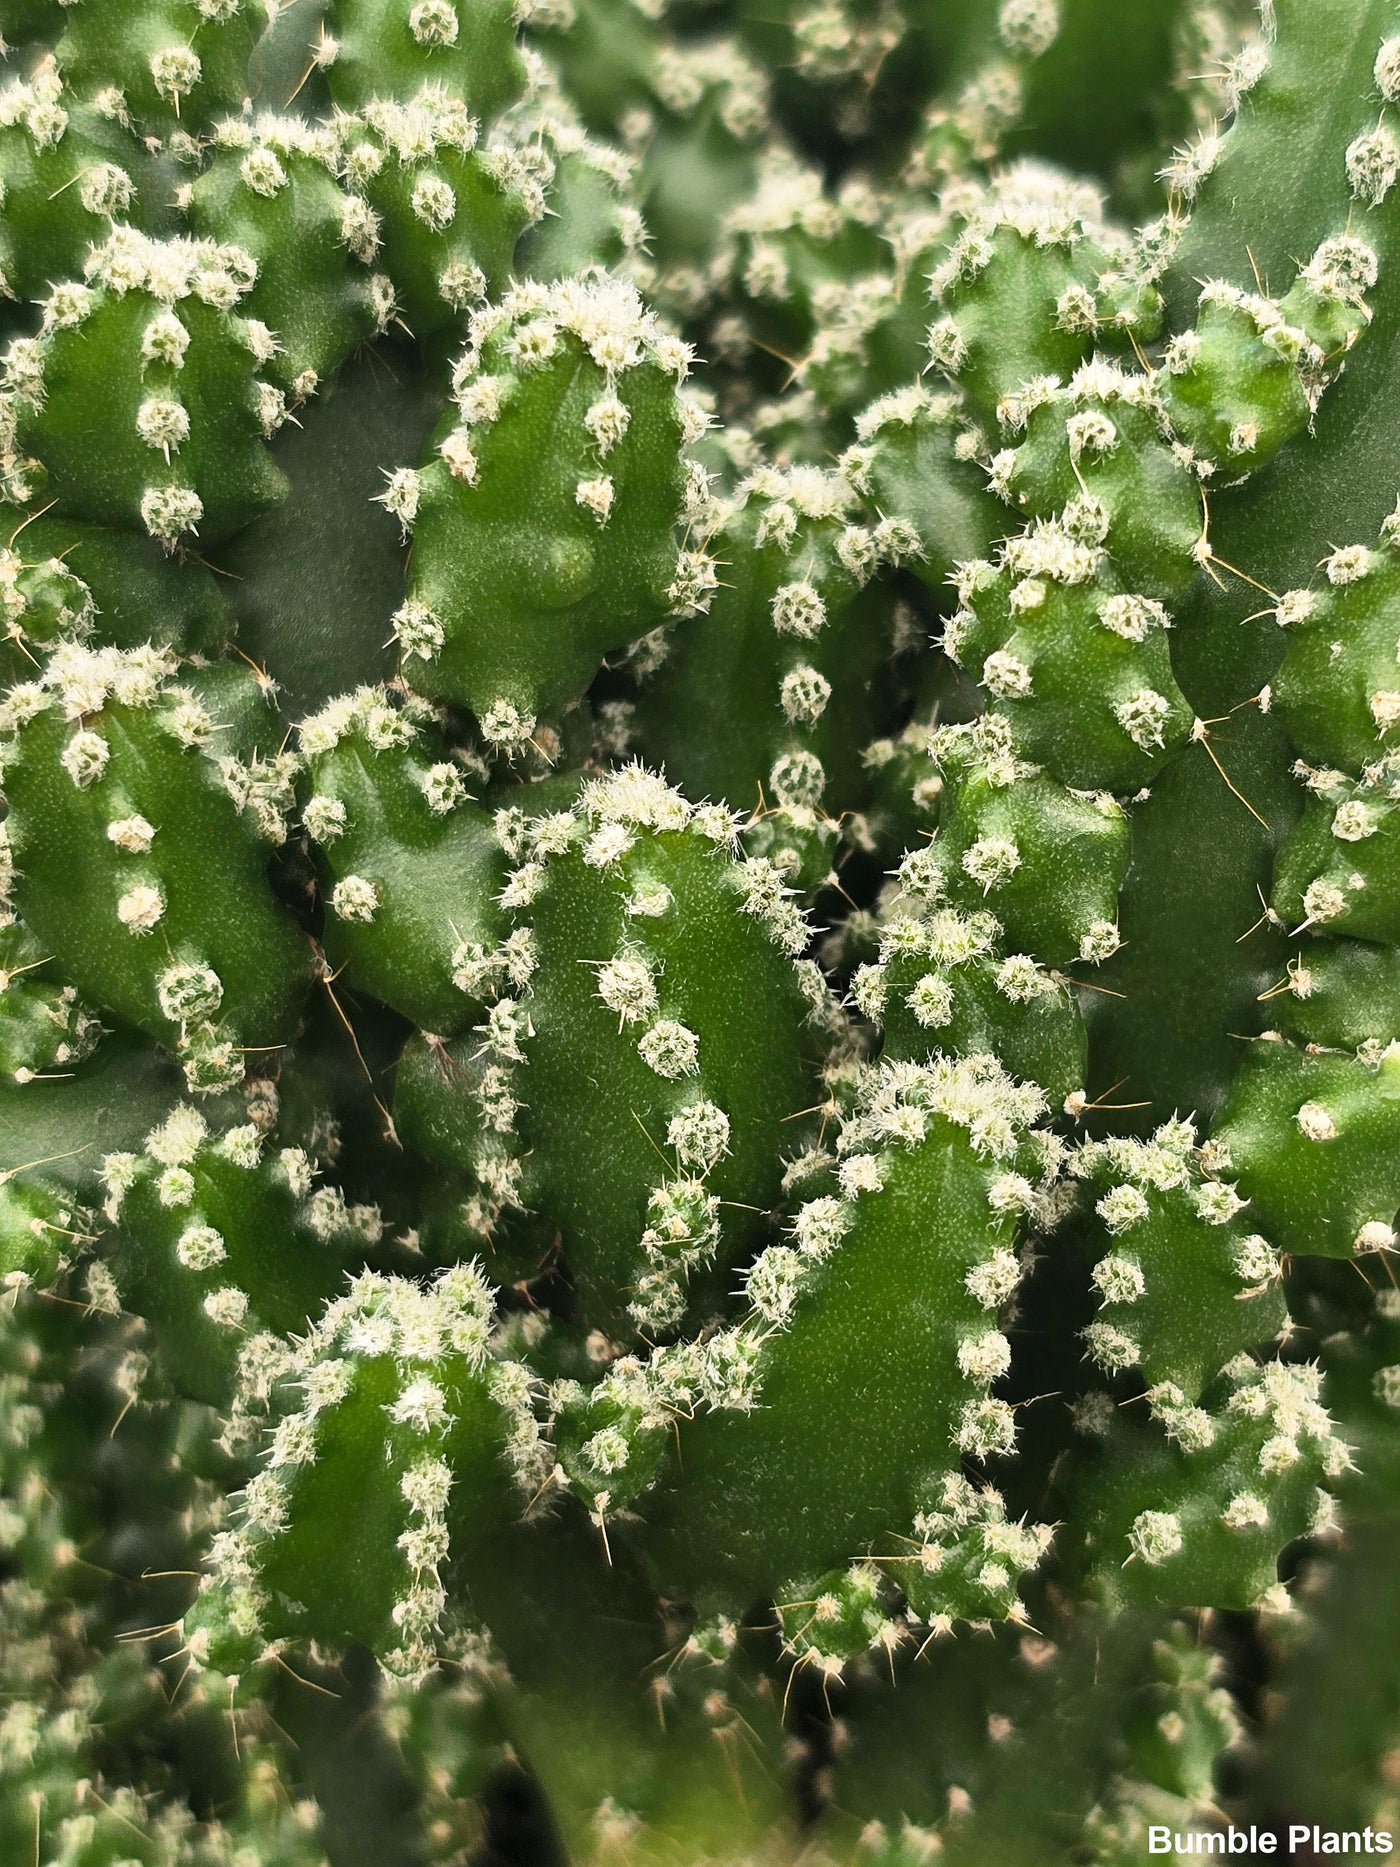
699,931
206,957
270,189
929,1152
791,614
202,1247
532,560
708,1047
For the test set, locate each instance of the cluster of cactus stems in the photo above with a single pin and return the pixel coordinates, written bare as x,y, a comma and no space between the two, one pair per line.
700,954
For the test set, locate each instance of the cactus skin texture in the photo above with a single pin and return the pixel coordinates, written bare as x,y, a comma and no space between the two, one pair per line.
203,1248
957,1130
706,1047
575,546
699,931
109,414
271,191
226,967
412,866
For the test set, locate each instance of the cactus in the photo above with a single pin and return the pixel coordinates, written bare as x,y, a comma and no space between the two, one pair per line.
597,564
994,1751
226,967
271,191
1347,1777
400,837
169,73
223,1247
706,1043
443,216
791,614
931,1152
70,168
44,1025
460,1434
378,48
700,956
108,423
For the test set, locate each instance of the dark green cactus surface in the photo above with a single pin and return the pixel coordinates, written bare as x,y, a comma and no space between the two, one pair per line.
699,932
